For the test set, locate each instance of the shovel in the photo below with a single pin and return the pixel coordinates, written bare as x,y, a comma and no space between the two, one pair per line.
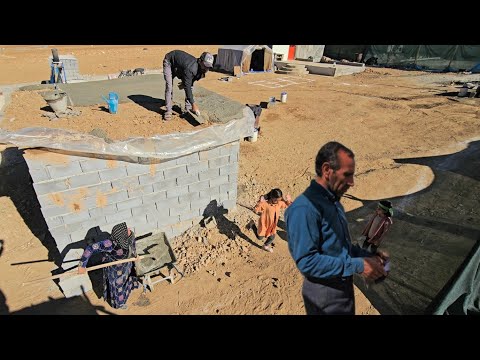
75,273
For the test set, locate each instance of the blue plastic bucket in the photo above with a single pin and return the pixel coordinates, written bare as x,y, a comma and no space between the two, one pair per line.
112,102
113,106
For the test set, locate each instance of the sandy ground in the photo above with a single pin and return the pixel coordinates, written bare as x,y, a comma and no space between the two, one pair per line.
381,114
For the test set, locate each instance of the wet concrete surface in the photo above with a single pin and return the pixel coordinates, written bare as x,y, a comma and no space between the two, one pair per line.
148,91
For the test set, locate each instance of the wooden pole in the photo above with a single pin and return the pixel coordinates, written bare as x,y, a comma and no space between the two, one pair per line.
75,272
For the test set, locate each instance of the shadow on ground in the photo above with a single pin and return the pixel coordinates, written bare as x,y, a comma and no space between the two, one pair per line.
433,232
78,305
225,226
16,183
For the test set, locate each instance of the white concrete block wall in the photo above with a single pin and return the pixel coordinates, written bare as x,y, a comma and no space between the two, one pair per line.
78,193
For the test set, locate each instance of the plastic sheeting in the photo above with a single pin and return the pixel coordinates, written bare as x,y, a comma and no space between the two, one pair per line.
162,147
421,57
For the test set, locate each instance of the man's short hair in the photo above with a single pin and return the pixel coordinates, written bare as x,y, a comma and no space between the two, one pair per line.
328,153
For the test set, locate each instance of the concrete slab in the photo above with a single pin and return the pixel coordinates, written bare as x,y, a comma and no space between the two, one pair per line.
146,90
328,69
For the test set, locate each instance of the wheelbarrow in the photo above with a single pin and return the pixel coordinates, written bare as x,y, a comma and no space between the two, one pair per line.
152,270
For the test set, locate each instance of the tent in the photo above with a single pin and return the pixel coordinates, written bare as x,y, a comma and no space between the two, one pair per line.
249,57
420,57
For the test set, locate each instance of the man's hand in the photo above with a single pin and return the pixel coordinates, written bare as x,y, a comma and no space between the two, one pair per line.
288,198
262,199
195,109
373,268
82,270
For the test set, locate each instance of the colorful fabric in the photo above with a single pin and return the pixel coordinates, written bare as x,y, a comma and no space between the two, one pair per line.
118,280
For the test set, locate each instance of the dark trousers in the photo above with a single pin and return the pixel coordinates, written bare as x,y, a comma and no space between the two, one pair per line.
269,239
329,297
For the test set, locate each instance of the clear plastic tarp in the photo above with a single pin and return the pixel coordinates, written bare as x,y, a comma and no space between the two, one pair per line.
161,147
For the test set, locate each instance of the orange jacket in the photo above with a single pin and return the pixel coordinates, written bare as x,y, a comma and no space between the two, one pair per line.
269,214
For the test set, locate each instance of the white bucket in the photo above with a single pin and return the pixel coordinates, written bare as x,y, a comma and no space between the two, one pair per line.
254,137
284,97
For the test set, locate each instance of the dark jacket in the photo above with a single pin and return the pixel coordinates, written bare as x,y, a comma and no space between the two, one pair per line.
186,68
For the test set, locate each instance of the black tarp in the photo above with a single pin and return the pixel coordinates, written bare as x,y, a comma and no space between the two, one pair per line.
420,57
432,242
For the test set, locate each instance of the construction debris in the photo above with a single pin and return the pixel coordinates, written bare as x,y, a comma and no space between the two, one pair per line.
63,114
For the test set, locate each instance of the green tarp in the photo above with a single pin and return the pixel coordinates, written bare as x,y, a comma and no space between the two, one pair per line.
421,57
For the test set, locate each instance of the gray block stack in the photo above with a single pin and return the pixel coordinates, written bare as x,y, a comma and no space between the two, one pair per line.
77,193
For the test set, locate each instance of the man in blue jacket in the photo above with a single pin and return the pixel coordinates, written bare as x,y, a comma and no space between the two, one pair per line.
188,69
319,240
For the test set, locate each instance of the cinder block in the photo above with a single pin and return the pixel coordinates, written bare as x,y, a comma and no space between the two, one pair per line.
149,179
169,220
226,149
218,162
97,221
62,240
179,209
144,209
222,197
53,211
190,215
186,180
200,203
177,191
175,172
164,185
228,187
140,190
209,174
163,208
198,167
50,186
39,175
232,195
54,221
60,171
93,165
208,193
84,180
139,169
209,154
233,178
154,197
229,204
189,197
120,216
181,227
202,185
188,159
107,210
115,197
75,285
140,219
76,217
142,229
113,174
229,169
130,203
79,235
126,183
219,181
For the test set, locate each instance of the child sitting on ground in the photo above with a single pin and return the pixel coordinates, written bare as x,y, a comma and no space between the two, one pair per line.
268,207
378,225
